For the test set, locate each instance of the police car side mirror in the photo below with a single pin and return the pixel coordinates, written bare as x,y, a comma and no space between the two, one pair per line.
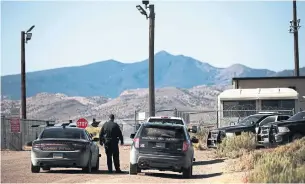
132,136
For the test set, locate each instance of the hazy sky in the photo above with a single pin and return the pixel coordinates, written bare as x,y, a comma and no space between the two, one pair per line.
220,33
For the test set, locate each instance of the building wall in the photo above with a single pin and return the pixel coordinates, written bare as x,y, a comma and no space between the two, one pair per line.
299,85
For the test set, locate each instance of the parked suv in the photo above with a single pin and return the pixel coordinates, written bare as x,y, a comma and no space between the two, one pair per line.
163,147
248,124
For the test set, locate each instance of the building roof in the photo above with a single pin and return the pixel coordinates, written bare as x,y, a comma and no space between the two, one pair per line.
264,78
258,93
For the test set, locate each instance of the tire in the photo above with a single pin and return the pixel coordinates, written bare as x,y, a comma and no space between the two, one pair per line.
88,168
296,136
35,169
187,173
97,166
133,169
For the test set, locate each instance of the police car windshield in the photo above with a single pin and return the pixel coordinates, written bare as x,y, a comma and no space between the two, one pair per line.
162,131
171,121
297,116
63,133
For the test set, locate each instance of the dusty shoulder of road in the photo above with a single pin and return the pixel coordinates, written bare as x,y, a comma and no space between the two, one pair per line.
15,168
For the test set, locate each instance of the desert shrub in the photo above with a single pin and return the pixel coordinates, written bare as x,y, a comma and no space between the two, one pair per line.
202,136
285,164
236,146
246,161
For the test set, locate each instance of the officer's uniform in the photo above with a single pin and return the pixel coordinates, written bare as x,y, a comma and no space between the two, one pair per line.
110,135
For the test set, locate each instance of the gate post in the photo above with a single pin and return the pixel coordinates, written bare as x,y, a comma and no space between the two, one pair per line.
175,112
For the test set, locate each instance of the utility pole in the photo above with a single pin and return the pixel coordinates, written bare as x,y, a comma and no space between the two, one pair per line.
25,37
151,17
294,27
151,60
23,86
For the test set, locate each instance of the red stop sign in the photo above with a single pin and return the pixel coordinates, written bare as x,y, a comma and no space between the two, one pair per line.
82,123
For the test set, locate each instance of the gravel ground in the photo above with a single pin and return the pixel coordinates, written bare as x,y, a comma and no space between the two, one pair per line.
15,168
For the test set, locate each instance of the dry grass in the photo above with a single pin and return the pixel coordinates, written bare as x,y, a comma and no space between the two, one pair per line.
236,146
202,136
285,164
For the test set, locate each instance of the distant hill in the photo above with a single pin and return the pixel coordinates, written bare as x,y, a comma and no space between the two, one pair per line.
110,78
61,107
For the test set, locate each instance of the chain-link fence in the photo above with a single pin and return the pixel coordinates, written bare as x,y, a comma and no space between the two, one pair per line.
16,133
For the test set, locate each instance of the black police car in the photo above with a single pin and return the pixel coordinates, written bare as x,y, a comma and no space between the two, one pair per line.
248,124
282,132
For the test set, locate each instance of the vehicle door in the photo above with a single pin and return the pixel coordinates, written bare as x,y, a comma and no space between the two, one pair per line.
268,120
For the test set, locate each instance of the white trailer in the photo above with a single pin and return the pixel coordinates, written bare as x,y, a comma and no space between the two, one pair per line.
237,103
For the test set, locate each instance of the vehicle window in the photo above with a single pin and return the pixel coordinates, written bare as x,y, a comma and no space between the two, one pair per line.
64,133
281,118
247,120
88,135
163,131
297,116
171,121
268,120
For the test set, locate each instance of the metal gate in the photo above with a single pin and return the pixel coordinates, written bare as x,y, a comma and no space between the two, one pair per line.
16,141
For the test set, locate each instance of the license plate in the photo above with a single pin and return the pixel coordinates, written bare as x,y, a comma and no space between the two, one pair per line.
160,145
57,155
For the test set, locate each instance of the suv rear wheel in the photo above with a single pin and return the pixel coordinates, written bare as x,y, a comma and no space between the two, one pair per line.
35,169
187,173
133,169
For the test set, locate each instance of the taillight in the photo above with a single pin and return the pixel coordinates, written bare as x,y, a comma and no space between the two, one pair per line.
79,146
136,142
36,145
185,146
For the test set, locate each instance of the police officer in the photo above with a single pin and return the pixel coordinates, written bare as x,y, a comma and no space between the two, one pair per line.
110,135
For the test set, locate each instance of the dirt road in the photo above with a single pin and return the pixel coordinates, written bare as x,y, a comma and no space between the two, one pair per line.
15,168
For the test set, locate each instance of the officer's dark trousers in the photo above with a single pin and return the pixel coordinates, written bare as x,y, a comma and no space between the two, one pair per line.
112,150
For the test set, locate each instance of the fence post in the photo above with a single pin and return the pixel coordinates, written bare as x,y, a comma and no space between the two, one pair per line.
175,112
217,119
135,120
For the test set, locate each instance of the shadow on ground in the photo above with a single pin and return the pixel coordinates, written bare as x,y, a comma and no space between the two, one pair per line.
179,176
82,172
208,162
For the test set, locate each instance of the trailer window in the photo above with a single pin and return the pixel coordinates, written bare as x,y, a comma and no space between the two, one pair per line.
284,105
241,108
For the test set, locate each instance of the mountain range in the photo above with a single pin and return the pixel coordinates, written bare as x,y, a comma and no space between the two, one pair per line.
110,78
60,107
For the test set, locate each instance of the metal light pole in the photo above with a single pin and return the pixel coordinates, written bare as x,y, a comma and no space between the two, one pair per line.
151,18
25,37
294,28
